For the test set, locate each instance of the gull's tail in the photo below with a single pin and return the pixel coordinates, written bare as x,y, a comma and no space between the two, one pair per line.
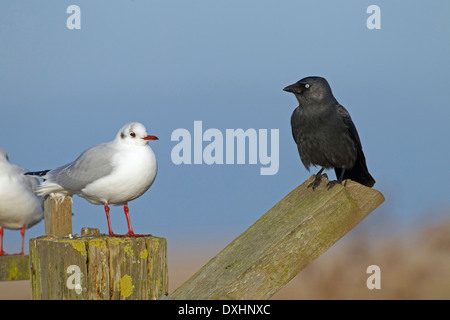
46,187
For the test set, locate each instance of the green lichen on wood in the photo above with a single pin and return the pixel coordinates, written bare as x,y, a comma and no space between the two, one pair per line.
125,285
14,267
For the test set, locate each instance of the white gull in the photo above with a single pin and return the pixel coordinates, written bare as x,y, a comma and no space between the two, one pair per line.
20,208
115,172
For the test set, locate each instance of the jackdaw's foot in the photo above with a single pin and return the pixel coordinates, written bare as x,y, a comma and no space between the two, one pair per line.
331,184
317,180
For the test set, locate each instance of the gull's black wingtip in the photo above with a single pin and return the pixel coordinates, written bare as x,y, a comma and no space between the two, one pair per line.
37,173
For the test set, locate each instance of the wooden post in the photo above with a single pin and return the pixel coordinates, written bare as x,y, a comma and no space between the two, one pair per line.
93,265
282,242
58,216
14,267
100,267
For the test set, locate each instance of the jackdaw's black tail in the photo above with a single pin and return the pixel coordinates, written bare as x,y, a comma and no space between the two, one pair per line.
358,173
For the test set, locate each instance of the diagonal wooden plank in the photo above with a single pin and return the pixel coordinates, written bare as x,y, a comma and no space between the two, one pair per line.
299,228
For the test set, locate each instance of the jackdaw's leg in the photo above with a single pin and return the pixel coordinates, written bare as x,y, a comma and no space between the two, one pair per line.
332,183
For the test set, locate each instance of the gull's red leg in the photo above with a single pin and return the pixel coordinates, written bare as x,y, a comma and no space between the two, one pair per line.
130,230
22,232
109,222
1,242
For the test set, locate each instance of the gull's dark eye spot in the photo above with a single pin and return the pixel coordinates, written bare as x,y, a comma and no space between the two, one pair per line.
132,134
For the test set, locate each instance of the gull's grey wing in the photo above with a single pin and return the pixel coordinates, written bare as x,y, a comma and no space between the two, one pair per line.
91,165
30,181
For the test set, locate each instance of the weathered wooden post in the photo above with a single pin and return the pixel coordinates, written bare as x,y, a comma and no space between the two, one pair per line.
58,216
94,265
298,229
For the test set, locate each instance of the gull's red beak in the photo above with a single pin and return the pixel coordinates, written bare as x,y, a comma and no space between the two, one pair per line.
150,138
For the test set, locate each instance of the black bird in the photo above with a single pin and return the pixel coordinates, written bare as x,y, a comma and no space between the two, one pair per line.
325,134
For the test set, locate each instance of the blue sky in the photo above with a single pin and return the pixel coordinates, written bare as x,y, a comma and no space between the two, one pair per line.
169,63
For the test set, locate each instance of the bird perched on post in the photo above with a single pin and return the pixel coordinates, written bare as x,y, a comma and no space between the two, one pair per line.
115,172
20,208
325,133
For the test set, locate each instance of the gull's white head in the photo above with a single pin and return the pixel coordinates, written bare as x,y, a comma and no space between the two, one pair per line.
134,133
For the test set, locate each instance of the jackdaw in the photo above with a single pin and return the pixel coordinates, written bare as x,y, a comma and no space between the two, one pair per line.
325,134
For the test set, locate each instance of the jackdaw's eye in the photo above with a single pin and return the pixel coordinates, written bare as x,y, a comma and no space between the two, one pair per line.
307,85
132,134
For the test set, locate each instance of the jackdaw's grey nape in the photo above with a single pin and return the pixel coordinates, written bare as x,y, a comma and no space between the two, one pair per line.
325,134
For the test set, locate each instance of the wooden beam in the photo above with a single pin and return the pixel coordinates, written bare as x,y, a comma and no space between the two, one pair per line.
298,229
14,267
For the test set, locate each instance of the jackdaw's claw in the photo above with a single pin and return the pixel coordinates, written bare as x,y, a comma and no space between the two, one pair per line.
331,184
317,181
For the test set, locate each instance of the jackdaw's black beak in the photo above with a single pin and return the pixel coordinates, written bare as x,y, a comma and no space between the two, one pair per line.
294,88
